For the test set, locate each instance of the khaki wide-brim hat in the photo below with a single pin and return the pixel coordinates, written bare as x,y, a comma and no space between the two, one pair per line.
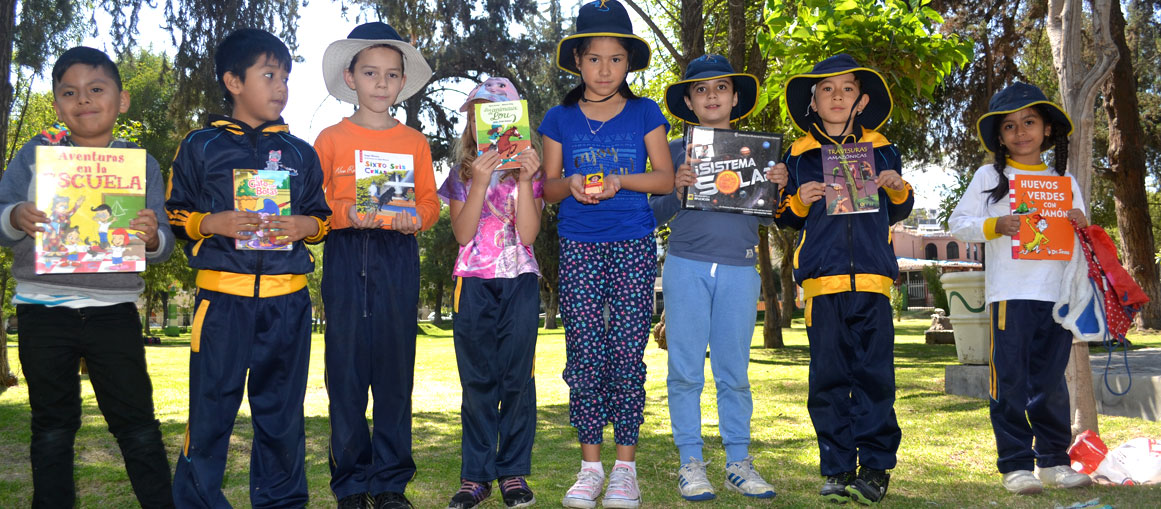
338,55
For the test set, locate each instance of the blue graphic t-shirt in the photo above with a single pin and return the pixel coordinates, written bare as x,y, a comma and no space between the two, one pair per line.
618,147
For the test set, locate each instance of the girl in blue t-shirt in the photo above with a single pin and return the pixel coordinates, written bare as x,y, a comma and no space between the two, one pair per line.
608,256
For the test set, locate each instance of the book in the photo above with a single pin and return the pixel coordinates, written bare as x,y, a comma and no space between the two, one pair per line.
266,192
90,195
503,127
731,171
848,177
384,185
1042,202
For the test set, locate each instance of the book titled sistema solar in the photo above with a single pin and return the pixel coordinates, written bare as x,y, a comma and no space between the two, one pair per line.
731,171
1042,203
90,196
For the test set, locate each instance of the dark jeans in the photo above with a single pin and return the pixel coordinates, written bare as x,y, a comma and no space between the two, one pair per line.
52,342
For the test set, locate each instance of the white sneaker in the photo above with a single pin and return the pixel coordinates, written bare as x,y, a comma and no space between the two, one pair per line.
1062,476
622,492
693,483
1022,482
743,478
583,494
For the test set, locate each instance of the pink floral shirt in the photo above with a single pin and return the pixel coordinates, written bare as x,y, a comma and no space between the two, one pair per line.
496,250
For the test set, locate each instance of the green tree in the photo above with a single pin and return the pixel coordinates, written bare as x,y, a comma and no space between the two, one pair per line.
438,249
314,286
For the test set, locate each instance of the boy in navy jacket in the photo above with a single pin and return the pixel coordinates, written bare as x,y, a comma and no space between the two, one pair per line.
846,266
252,309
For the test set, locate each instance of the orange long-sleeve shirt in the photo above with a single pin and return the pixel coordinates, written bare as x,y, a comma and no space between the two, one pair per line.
336,146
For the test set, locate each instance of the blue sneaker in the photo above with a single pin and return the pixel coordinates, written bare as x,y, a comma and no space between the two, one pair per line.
743,478
693,483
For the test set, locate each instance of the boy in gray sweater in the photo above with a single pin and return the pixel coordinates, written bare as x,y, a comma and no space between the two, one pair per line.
64,317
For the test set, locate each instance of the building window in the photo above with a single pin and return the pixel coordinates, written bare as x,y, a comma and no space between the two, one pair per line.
931,252
952,251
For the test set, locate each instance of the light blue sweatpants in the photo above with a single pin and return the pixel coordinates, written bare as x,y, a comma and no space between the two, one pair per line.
714,305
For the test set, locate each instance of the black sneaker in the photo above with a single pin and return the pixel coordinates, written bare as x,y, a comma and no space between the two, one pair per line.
391,500
356,501
470,495
870,487
835,487
516,492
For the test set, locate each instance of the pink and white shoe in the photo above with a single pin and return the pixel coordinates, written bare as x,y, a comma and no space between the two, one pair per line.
583,494
623,492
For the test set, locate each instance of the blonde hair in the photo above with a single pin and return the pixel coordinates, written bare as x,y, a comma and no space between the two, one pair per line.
466,149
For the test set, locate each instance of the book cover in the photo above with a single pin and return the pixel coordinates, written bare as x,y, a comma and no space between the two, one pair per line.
731,171
848,174
503,127
384,185
1042,202
266,192
90,196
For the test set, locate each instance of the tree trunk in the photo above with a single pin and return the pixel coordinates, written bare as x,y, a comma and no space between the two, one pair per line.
789,289
692,32
438,320
149,298
736,35
772,324
7,378
551,307
7,34
1127,173
1079,85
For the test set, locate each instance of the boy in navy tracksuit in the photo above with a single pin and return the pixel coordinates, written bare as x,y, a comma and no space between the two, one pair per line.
252,308
846,266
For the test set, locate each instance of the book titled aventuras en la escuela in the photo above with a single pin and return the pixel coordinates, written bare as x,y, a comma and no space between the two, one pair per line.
1042,203
90,196
503,127
267,193
731,171
848,177
384,185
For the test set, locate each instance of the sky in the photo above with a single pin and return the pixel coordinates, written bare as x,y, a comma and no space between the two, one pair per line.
311,108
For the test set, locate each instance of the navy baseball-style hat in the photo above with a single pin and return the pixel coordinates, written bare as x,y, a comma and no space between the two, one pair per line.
708,67
602,18
800,90
1015,97
338,57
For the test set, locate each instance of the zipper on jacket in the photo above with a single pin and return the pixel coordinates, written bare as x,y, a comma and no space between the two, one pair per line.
258,275
851,250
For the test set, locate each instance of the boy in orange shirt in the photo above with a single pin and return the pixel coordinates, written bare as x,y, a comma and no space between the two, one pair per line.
370,283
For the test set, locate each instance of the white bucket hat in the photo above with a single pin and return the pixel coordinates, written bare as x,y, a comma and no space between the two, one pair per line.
339,54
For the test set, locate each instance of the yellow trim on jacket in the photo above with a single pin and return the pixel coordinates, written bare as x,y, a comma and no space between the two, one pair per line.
826,285
243,285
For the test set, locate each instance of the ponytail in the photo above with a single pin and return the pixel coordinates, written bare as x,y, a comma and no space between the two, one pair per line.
1000,192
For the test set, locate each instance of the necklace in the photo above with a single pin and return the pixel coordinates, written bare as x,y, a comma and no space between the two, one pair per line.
590,125
586,99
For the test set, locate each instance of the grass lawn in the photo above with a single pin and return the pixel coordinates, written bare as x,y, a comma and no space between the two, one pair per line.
947,458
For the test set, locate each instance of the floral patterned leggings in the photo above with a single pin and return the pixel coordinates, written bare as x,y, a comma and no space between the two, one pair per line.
605,370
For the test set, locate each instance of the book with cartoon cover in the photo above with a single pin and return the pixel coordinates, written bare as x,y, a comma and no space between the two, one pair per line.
731,171
1042,203
503,127
384,185
848,178
90,196
267,193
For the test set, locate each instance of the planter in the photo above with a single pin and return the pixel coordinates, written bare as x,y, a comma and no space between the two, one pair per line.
969,315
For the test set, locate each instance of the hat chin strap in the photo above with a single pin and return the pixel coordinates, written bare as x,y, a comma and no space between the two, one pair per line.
848,124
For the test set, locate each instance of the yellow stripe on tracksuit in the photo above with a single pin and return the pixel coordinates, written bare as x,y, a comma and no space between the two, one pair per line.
998,321
826,285
244,285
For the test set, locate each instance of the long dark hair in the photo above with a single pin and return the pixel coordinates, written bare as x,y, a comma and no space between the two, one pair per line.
1057,141
574,96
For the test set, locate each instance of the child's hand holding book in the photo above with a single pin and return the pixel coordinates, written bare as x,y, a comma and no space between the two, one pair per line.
146,225
27,218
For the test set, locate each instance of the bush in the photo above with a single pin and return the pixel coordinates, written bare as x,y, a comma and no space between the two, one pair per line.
931,275
898,301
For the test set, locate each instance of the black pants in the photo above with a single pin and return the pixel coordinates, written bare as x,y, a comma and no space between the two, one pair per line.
52,342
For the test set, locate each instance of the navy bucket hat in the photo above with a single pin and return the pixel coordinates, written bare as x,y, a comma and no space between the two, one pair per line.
800,90
708,67
602,18
1015,97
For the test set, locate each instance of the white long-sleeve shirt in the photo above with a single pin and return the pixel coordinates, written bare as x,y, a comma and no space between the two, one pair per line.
974,220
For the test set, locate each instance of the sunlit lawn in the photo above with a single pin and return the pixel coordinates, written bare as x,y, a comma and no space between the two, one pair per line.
946,459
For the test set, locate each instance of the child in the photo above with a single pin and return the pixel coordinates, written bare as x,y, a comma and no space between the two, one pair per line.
252,319
846,266
710,289
370,285
1029,349
497,307
66,317
608,255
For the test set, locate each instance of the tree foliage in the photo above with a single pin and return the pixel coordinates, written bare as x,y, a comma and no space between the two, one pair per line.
438,249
